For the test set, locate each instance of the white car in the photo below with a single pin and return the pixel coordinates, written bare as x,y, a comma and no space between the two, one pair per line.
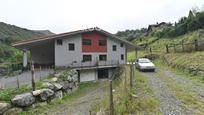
145,64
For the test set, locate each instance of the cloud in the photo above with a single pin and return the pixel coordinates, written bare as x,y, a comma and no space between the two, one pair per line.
112,15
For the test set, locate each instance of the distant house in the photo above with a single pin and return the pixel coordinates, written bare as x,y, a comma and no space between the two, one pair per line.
93,52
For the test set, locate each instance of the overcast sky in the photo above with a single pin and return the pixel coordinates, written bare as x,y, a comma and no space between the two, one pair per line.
111,15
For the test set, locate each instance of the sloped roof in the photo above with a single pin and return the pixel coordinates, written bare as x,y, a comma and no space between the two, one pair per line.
56,36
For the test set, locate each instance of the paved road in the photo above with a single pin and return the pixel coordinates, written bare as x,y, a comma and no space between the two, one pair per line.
24,78
163,83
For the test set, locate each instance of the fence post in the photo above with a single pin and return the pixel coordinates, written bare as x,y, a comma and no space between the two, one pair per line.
33,76
167,48
182,44
196,45
131,75
17,80
111,99
40,73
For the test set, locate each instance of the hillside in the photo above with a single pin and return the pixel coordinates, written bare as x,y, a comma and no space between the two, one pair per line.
184,57
11,33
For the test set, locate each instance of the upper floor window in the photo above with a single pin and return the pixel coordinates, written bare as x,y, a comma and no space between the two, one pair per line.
71,46
121,44
114,48
87,58
102,57
86,42
59,41
122,57
102,43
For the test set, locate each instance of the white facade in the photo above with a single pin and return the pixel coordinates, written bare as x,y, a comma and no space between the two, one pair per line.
64,57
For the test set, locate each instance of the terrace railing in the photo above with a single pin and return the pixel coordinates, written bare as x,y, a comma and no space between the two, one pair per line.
81,64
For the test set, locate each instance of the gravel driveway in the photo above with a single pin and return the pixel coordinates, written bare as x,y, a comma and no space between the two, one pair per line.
169,103
24,78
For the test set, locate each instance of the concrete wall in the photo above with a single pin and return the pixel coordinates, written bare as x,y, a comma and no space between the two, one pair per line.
88,75
63,56
43,54
115,55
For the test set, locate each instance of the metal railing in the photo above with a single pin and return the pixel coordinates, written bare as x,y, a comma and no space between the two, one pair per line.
94,63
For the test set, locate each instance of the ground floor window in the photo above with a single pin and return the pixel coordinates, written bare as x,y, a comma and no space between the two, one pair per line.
87,58
102,57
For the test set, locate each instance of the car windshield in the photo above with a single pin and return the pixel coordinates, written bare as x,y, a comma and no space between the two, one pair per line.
144,61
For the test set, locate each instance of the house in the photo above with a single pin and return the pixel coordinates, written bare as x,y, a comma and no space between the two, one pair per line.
93,52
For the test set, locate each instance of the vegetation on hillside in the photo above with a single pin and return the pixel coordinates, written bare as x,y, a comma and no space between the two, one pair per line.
9,34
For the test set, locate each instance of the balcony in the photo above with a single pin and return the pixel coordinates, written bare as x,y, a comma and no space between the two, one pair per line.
94,64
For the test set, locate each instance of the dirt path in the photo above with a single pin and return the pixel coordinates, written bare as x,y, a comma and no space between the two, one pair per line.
160,82
82,105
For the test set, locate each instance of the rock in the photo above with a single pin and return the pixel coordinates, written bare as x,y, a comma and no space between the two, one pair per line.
57,74
4,107
23,100
71,85
45,94
53,86
40,104
58,94
49,85
57,86
68,91
13,111
69,78
36,92
54,79
65,86
75,78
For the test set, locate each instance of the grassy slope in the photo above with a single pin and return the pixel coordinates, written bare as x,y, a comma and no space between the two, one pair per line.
193,60
10,33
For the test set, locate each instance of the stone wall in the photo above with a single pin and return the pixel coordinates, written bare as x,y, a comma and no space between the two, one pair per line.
65,81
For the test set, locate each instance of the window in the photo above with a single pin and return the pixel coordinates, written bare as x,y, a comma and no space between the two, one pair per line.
102,57
102,42
122,57
114,48
71,47
59,42
86,58
86,42
121,44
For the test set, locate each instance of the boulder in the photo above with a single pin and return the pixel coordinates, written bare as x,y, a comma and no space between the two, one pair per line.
71,85
48,85
46,94
57,86
36,92
53,86
4,107
58,94
54,79
13,111
65,86
23,100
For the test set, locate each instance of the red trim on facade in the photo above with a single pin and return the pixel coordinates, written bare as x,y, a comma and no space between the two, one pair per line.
94,47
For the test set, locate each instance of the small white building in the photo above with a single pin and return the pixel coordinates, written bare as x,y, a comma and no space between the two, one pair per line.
93,52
